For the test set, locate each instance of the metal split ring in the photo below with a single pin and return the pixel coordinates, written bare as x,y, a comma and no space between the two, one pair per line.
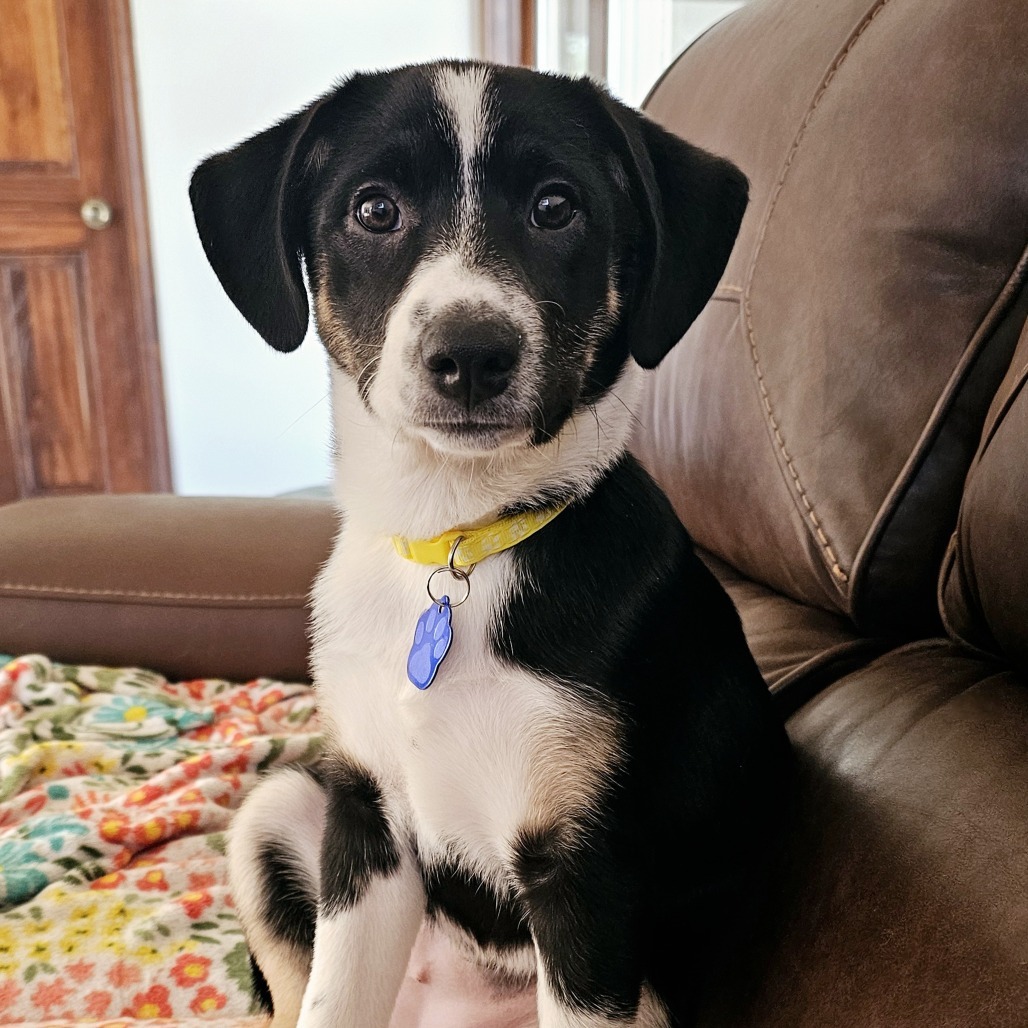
461,574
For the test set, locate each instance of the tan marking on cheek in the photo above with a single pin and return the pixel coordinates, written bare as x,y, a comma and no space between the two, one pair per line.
613,299
332,333
601,324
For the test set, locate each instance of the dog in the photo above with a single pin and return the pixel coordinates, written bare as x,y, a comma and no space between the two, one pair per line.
546,731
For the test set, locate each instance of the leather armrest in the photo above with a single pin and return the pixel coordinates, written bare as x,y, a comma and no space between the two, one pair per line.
187,586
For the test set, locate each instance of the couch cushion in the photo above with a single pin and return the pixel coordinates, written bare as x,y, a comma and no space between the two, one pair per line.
815,426
905,899
191,587
799,649
984,582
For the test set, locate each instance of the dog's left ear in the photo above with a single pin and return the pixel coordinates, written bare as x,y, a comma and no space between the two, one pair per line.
691,204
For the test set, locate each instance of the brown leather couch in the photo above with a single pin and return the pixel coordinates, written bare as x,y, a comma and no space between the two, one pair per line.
845,433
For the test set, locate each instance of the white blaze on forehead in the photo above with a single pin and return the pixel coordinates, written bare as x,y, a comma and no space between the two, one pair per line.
463,94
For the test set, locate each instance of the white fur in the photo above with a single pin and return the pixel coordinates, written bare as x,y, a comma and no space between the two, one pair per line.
360,954
390,481
464,100
487,750
290,806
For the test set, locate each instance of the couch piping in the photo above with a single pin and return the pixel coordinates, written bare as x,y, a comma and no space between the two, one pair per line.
1005,304
60,591
954,569
827,549
1020,382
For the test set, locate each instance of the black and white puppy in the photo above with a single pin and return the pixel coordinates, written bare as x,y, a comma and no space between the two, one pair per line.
493,255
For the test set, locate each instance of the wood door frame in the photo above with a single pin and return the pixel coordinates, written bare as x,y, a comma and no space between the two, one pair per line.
109,359
130,159
506,31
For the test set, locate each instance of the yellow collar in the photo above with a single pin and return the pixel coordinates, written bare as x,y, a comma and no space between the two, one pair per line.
475,543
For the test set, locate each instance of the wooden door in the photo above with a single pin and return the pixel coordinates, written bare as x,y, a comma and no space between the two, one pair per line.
81,404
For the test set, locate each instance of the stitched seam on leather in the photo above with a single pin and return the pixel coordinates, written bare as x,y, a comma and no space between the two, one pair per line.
61,591
827,549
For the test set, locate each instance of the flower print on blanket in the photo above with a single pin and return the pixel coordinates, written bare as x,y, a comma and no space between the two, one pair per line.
116,787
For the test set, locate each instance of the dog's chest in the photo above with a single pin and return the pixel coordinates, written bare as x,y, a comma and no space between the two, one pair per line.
487,750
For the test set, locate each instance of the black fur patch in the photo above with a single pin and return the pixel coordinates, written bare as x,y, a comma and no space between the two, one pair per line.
289,905
358,844
591,578
614,600
467,901
584,914
261,991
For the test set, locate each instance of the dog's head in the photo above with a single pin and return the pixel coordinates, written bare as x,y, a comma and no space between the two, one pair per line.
486,246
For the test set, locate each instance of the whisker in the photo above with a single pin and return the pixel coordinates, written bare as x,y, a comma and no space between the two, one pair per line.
599,428
631,413
303,415
552,303
363,385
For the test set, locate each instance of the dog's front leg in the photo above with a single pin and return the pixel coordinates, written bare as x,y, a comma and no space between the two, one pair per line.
583,916
371,904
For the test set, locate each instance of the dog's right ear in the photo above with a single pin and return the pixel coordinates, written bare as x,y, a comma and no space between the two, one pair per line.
691,205
249,204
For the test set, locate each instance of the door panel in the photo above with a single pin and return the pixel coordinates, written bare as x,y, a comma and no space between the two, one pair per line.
80,389
34,122
51,380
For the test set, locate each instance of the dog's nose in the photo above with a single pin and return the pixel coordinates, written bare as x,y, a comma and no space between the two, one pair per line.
470,362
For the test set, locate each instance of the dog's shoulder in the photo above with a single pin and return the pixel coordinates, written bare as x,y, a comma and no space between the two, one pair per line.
613,581
614,599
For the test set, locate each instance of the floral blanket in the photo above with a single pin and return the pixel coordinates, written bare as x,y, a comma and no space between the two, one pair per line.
116,787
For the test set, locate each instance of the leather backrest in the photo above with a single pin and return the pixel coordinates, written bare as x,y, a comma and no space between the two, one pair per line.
190,586
815,426
983,588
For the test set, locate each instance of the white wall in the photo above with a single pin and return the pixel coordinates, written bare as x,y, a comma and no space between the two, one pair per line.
243,419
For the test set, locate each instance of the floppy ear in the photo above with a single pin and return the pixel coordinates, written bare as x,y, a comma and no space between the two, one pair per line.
249,206
691,204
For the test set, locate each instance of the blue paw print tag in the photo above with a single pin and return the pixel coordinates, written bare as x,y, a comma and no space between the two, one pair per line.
432,638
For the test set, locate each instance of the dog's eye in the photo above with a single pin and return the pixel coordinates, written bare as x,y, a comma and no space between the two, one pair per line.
378,214
553,210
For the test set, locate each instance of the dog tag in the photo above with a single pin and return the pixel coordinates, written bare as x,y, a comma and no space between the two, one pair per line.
432,638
